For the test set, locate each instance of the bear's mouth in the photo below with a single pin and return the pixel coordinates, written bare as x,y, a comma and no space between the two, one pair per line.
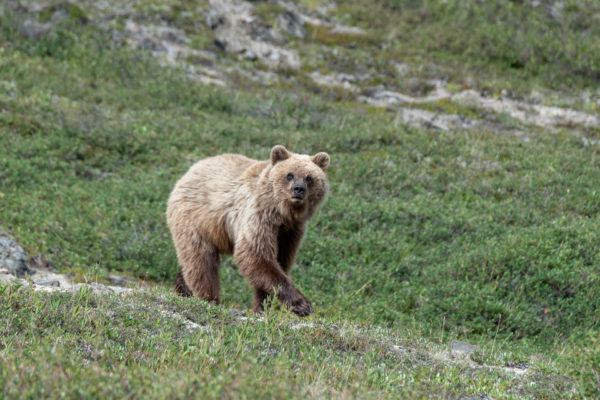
297,199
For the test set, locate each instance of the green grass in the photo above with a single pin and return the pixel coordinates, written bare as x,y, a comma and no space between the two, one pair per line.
498,44
426,236
107,346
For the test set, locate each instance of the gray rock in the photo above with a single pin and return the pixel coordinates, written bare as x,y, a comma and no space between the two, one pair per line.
213,19
238,30
249,54
400,350
290,23
556,10
518,365
117,38
462,349
12,257
347,78
153,44
38,262
532,114
48,282
268,353
430,120
117,280
347,30
481,396
59,15
33,30
100,289
234,312
7,278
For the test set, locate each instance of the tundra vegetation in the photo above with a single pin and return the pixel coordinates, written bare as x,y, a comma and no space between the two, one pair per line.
447,220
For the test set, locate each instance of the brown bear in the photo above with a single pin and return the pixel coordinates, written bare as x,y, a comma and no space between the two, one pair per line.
255,210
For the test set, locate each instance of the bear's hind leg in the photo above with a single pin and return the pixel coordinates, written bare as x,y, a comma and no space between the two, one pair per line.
200,270
180,287
259,300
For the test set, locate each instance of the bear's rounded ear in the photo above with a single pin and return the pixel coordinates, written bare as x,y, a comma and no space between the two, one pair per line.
279,153
321,159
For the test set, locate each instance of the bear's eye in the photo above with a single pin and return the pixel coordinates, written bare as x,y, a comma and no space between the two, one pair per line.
290,176
309,179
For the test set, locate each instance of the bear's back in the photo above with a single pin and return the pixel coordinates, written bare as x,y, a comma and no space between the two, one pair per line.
206,197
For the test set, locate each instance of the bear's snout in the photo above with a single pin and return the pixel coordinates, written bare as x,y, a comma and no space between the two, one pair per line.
299,190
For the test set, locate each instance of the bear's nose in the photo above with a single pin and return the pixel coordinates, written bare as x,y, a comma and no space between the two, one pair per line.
299,190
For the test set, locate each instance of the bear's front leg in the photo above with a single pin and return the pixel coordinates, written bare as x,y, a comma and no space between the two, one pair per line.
267,278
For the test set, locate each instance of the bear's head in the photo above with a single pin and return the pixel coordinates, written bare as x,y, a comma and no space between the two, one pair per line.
299,181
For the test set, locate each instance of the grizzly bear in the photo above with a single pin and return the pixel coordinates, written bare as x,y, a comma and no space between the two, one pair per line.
255,210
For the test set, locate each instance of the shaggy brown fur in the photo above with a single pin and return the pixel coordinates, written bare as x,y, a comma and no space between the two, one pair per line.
255,210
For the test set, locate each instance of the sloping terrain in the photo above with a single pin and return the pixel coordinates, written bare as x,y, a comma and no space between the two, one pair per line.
151,343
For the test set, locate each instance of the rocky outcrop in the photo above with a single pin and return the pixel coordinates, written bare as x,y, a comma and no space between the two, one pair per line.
13,260
172,47
318,19
237,30
16,267
532,114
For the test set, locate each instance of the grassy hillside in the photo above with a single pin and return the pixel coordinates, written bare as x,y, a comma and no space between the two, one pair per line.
90,346
511,44
427,236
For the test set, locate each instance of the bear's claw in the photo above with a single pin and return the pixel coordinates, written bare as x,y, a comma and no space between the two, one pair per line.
295,301
303,309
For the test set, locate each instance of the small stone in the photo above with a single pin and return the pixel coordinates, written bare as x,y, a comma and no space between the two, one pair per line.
250,55
347,30
290,23
213,19
347,78
401,68
518,365
7,278
117,280
482,396
234,312
59,15
99,288
39,262
33,30
462,349
152,44
269,353
48,282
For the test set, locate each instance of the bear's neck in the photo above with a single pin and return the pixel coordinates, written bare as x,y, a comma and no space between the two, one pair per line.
294,215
